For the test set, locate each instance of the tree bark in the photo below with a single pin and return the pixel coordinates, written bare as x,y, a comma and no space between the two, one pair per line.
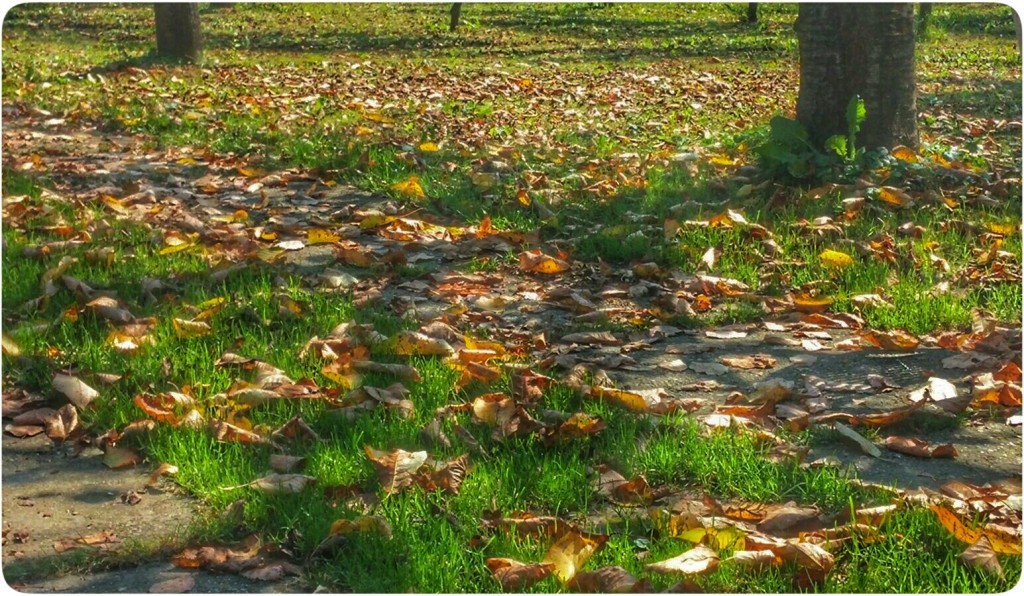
751,12
858,49
178,34
456,14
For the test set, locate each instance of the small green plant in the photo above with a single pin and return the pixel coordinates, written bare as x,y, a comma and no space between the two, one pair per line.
789,152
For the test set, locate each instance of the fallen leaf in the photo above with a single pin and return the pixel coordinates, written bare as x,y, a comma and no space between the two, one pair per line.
175,585
606,580
696,561
162,469
919,448
395,469
572,551
77,392
865,445
118,458
834,259
515,576
758,361
410,187
981,556
534,261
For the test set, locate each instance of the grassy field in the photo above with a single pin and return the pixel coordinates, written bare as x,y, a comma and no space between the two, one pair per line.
606,129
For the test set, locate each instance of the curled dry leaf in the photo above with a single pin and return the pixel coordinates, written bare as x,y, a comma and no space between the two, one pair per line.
606,580
890,340
603,338
296,429
77,392
367,524
755,559
981,556
571,551
63,423
413,343
402,371
617,489
220,557
943,394
534,261
919,448
709,368
229,433
696,561
395,469
118,458
447,476
186,329
515,576
168,469
279,483
110,309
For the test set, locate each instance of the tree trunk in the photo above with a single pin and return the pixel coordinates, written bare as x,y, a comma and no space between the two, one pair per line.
456,13
751,12
858,49
178,34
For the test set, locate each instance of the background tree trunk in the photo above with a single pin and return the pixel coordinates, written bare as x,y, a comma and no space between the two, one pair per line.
751,12
858,49
177,31
456,13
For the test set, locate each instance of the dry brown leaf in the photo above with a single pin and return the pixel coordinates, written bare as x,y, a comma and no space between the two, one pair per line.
395,469
919,448
752,361
413,343
168,469
981,556
77,392
515,576
534,261
606,580
696,561
891,340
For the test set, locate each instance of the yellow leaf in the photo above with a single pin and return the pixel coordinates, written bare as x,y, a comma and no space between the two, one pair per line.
719,538
834,259
114,204
362,131
175,248
903,153
188,329
572,551
1000,543
722,161
413,343
806,303
410,187
321,236
535,261
894,196
523,197
428,147
369,524
1001,229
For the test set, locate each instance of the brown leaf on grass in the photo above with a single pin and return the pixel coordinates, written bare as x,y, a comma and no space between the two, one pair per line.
919,448
790,520
890,340
367,524
607,580
534,261
278,484
578,425
110,309
396,469
617,489
295,429
528,386
571,551
629,400
696,561
755,560
808,556
515,576
229,433
981,556
77,392
447,476
759,361
402,371
161,407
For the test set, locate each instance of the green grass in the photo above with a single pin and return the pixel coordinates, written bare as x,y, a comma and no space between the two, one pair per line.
560,92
